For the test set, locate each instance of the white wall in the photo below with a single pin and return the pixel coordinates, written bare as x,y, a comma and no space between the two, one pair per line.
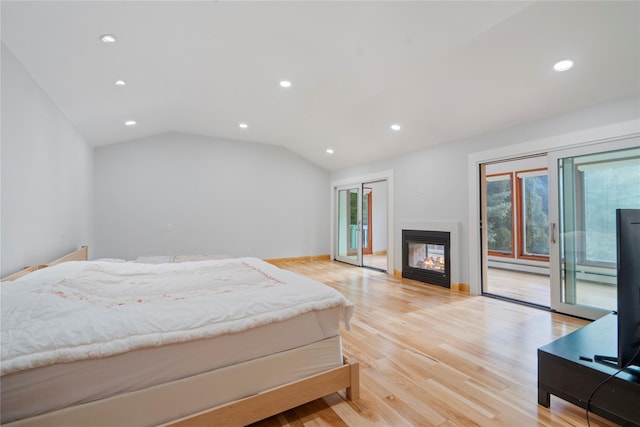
185,194
47,173
431,185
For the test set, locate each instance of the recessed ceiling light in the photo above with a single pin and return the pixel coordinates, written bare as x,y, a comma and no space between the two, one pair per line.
330,151
563,65
130,123
395,127
243,125
108,38
120,83
285,83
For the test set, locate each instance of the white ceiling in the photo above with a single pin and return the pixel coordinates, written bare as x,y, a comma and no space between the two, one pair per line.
443,70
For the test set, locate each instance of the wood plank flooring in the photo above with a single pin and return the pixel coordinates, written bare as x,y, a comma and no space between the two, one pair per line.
432,357
536,289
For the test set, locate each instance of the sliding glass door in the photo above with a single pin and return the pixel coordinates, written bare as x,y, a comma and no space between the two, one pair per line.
515,211
360,224
591,182
349,225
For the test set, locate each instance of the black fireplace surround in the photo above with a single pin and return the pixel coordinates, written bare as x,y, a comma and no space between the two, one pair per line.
426,256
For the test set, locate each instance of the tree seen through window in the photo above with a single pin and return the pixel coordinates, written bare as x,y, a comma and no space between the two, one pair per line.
499,216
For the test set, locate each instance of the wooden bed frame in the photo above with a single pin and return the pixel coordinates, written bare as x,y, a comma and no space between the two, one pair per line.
78,255
254,408
279,399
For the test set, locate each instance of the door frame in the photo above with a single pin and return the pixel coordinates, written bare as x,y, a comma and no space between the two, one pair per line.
551,144
386,175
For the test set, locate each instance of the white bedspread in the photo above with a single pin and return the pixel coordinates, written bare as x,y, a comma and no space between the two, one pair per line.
80,310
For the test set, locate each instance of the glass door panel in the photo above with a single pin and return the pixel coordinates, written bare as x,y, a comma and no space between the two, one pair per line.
366,222
591,185
349,227
514,195
374,225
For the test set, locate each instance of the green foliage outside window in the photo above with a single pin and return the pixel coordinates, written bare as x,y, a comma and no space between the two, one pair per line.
536,215
354,207
499,209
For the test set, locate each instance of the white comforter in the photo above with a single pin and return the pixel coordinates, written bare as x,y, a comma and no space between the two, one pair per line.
80,310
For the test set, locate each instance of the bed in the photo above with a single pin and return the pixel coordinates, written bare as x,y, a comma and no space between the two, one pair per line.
220,342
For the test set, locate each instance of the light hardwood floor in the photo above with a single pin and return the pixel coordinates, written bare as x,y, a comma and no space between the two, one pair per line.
432,357
536,289
375,261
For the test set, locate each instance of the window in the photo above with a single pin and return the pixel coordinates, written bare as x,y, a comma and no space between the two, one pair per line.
518,227
533,202
500,215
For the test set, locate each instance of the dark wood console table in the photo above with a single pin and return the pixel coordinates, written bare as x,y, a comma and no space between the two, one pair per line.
563,373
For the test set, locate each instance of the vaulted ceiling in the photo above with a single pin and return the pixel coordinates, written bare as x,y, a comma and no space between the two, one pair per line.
441,70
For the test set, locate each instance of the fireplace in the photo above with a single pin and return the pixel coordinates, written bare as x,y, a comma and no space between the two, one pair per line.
426,256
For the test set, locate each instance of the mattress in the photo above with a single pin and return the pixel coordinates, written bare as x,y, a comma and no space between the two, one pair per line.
170,401
35,391
234,316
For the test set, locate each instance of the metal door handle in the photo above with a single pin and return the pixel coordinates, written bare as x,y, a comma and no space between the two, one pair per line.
552,233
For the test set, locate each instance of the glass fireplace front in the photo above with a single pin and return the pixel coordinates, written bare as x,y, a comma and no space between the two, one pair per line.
425,256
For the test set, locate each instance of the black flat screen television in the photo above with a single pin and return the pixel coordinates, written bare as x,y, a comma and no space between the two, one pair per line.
628,246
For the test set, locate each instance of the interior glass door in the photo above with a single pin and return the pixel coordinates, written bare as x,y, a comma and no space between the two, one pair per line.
349,225
592,182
